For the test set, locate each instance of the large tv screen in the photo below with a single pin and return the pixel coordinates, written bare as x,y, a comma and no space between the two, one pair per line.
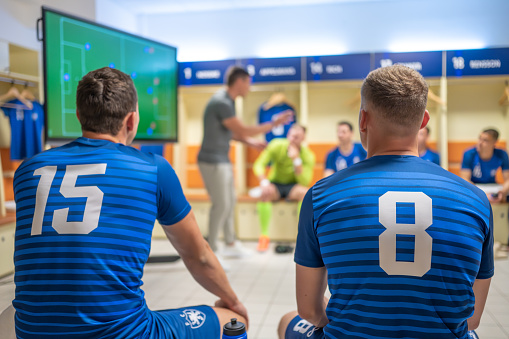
74,46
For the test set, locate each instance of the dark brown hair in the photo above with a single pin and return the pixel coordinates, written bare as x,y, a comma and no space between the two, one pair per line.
233,73
346,123
492,133
103,99
398,93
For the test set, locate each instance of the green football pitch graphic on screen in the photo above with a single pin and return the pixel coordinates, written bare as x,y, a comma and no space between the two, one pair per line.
74,48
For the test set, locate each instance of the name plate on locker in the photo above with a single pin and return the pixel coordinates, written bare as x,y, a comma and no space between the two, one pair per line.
203,72
429,64
490,61
338,67
273,70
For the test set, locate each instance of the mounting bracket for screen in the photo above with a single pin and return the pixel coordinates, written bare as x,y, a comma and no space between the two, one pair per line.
37,30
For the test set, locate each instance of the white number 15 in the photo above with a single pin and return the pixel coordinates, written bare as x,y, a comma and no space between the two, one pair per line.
69,190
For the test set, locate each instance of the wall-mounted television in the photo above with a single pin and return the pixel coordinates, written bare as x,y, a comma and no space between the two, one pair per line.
73,46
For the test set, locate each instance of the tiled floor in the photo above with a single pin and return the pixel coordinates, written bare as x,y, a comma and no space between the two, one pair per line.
266,285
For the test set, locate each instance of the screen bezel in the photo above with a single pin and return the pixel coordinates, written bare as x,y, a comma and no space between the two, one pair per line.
60,141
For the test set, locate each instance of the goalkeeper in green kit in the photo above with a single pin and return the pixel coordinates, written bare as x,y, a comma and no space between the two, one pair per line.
290,174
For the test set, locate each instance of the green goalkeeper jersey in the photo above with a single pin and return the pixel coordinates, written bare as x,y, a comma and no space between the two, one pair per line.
281,165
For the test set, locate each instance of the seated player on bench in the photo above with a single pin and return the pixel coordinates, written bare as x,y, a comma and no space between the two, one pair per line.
84,219
480,164
405,247
291,172
346,153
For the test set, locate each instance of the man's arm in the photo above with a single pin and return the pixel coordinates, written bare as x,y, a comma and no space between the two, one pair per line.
242,131
311,285
305,173
327,172
467,166
481,287
466,174
201,262
505,186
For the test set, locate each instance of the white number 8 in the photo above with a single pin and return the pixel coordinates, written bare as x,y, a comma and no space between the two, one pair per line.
423,241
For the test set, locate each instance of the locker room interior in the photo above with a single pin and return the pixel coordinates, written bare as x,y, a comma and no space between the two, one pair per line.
460,106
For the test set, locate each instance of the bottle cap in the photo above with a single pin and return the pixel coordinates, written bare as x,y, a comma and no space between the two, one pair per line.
234,328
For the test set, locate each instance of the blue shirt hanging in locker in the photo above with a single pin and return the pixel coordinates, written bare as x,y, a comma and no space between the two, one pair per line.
386,283
484,172
434,157
337,161
268,116
26,129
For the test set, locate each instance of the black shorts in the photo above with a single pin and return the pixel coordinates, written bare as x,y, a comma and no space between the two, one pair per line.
284,189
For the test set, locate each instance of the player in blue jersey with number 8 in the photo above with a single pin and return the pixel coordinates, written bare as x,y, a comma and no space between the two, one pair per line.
84,218
405,247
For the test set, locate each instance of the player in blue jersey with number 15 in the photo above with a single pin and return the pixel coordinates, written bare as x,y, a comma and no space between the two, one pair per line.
84,218
405,247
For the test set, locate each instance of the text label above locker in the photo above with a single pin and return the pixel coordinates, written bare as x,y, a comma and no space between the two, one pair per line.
337,67
203,72
273,70
429,64
492,61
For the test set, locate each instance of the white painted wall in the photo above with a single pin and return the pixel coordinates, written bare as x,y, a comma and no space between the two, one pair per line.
110,14
392,25
18,18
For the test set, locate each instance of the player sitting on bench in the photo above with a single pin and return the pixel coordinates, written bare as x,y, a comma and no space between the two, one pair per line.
291,171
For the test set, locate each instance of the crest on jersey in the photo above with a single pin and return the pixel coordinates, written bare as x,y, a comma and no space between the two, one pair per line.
194,318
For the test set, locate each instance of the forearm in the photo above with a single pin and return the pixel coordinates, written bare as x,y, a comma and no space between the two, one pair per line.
305,176
317,317
207,271
260,164
327,172
481,288
250,131
505,188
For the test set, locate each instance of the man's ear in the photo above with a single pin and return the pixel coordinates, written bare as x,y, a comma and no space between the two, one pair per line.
130,121
363,120
425,119
78,115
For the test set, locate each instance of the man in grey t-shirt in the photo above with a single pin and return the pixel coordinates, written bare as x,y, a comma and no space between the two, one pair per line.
220,125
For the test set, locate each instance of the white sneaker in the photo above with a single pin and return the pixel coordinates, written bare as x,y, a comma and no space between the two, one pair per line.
224,264
236,251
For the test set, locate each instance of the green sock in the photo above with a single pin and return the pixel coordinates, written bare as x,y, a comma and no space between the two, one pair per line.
265,213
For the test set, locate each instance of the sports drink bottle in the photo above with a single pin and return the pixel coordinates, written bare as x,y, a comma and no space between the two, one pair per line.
234,330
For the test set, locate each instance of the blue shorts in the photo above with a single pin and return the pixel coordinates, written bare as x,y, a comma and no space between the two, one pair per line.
299,328
191,322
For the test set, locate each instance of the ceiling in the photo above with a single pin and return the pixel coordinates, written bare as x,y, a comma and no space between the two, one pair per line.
180,6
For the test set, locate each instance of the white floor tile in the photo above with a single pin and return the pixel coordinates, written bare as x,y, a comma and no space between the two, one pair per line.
265,283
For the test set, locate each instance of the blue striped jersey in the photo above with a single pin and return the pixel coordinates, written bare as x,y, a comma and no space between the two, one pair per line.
84,218
337,161
403,241
432,156
484,171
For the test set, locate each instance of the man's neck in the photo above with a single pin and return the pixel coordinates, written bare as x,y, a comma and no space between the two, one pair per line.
422,150
486,155
392,146
100,136
346,148
232,93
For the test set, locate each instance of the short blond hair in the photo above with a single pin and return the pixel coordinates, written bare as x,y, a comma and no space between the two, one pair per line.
398,93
